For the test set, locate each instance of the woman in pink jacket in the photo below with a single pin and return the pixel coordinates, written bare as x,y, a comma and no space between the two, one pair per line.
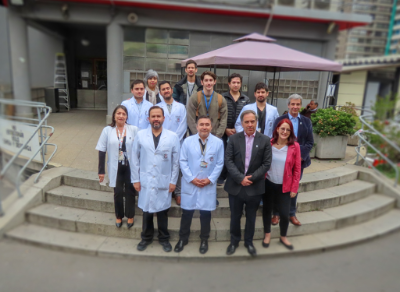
282,180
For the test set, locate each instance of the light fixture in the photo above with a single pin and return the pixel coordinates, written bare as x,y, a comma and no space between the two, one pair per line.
65,11
85,42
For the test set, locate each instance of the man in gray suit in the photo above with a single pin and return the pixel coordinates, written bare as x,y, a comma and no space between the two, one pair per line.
248,157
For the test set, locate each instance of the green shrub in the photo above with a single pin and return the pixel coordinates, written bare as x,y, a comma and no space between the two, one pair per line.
330,122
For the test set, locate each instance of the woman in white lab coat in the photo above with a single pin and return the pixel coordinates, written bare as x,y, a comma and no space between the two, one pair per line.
117,140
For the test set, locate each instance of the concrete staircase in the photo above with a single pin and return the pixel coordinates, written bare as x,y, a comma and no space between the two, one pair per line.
335,207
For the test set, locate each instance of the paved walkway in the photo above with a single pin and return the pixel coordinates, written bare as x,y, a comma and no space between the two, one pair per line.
77,132
370,267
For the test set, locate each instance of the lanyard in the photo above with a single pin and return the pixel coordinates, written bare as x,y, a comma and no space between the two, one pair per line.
203,152
205,100
121,137
188,92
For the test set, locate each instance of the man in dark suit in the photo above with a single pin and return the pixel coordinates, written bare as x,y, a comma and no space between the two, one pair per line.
303,131
248,157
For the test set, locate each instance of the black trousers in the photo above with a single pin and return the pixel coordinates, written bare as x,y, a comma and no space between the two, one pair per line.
148,226
224,172
186,222
236,204
273,197
124,188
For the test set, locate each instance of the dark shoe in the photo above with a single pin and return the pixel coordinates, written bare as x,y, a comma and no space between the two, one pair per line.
203,246
251,249
290,246
130,224
167,247
265,245
294,221
178,200
179,246
275,220
143,245
231,249
118,224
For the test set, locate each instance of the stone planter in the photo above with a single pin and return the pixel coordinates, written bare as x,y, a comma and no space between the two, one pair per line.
312,152
332,147
352,141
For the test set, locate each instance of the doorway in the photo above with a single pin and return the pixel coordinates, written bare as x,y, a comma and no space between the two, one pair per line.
92,83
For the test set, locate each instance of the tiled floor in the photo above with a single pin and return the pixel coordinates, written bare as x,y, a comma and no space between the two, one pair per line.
77,132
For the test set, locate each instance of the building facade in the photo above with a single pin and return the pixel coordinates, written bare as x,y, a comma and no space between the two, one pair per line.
107,45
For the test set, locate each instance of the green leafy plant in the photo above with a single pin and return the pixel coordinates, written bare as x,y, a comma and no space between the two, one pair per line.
350,108
331,122
385,107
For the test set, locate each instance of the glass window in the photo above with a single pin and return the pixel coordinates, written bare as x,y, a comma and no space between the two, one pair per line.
134,63
156,36
159,65
156,51
174,66
134,49
134,34
178,52
179,37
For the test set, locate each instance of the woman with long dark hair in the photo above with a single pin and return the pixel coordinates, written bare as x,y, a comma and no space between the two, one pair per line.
282,180
117,140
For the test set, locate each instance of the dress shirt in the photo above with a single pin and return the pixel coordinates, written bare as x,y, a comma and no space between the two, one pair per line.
169,107
139,105
295,122
249,148
203,144
156,140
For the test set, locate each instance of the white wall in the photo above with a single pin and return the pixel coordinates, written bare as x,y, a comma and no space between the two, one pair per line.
42,50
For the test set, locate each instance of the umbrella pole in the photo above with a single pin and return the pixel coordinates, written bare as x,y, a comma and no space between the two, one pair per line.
277,93
215,68
325,103
273,86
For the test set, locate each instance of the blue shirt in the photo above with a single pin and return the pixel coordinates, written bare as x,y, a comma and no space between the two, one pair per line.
139,105
295,122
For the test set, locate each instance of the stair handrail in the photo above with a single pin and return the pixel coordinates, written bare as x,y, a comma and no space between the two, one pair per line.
41,124
363,117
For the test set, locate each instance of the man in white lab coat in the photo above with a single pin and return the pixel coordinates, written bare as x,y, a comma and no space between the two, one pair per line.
175,121
138,107
154,172
266,113
201,161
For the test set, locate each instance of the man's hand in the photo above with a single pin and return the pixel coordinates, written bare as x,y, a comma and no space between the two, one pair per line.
230,132
198,182
171,188
246,182
101,177
137,186
205,182
292,194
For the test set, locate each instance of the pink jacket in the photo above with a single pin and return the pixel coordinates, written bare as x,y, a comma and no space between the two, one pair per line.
291,174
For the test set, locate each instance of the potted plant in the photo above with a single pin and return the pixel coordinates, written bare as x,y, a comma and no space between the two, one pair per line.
350,108
331,128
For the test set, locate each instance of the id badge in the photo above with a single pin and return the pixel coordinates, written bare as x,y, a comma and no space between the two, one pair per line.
203,164
121,156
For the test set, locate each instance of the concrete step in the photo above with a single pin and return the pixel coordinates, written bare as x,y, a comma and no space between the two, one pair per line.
101,223
308,201
310,182
126,248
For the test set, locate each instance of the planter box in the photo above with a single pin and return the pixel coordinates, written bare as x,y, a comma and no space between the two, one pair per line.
333,147
312,153
353,141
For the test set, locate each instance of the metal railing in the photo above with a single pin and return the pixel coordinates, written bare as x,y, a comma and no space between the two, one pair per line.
40,124
367,128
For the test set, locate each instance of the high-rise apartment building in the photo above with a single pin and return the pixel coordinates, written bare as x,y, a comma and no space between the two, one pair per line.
369,40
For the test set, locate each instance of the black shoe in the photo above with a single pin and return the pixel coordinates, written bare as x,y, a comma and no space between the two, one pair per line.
231,249
167,247
290,246
251,249
143,245
118,224
130,224
265,245
203,246
179,246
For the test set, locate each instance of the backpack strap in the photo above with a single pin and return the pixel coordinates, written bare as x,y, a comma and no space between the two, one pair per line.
199,96
219,105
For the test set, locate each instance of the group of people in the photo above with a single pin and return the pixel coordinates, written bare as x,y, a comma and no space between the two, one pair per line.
187,140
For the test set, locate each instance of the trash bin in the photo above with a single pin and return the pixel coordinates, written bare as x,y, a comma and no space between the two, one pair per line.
51,98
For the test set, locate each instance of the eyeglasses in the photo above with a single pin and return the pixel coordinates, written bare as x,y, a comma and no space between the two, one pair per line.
283,130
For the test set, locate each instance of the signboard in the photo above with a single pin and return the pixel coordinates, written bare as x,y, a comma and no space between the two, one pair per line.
14,134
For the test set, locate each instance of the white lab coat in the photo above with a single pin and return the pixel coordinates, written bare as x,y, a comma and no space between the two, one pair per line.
193,197
155,169
108,142
134,118
176,120
271,113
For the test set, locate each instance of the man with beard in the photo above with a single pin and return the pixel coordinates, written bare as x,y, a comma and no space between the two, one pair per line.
154,172
175,121
266,113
